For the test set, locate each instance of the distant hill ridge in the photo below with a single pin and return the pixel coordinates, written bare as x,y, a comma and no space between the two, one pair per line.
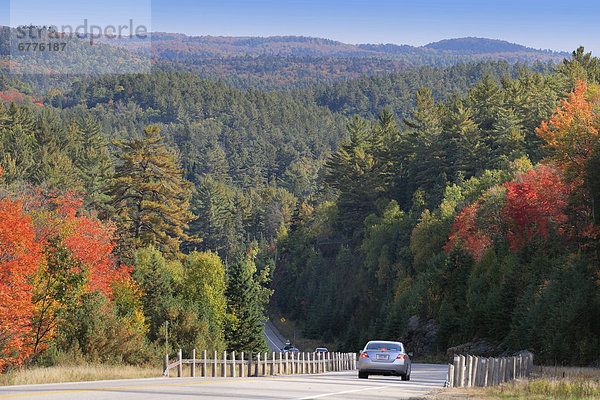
286,45
482,45
276,62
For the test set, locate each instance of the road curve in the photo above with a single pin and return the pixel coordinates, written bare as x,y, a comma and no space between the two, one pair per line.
335,385
275,340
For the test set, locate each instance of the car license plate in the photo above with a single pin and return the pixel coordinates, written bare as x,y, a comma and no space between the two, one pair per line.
382,356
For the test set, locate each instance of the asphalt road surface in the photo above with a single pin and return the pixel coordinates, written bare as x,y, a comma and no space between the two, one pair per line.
334,385
274,339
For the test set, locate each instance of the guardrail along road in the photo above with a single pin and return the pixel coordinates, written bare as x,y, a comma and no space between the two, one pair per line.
333,385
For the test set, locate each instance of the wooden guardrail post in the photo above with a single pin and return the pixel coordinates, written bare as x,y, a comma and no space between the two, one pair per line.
455,364
215,370
273,363
477,376
193,366
461,370
180,365
480,371
256,370
250,360
204,368
470,365
467,380
233,362
318,362
294,363
265,363
514,368
280,363
242,365
224,366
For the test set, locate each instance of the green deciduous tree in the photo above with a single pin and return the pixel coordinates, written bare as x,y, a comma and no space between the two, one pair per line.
203,290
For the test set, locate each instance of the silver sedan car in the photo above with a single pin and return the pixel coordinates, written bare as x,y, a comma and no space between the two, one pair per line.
380,357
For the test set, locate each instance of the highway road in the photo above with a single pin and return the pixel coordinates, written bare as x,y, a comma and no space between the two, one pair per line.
334,385
275,340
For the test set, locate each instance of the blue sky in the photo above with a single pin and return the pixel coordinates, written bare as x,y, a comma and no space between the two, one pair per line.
557,25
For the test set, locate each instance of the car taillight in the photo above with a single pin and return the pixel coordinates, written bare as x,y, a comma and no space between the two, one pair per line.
364,355
400,357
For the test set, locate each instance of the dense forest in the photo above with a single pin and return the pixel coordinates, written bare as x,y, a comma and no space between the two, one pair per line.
456,195
477,215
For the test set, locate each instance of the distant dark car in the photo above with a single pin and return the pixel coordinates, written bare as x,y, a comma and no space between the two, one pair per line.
381,357
290,349
321,350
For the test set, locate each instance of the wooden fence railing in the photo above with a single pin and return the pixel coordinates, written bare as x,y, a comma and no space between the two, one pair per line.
232,364
472,371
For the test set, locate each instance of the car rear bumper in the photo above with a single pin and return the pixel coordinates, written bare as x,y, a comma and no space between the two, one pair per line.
398,367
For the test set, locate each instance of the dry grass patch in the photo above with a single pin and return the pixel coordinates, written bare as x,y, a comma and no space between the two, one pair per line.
76,373
544,388
565,383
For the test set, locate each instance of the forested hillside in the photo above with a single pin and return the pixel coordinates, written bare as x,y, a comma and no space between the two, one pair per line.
293,61
129,200
178,46
368,95
477,215
72,59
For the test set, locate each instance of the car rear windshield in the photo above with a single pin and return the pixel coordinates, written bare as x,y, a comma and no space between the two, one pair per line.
382,346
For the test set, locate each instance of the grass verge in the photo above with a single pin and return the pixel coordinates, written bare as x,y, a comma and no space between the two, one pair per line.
564,383
544,388
76,373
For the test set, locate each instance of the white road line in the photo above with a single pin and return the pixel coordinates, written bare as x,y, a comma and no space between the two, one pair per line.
269,339
317,396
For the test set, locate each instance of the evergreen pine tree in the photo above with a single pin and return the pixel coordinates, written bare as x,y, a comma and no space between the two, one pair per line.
150,195
245,301
93,161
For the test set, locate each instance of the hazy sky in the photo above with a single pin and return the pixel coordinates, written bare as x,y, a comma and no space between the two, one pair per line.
557,25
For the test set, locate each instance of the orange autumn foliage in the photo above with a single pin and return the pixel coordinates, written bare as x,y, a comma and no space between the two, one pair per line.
29,228
89,240
20,257
573,131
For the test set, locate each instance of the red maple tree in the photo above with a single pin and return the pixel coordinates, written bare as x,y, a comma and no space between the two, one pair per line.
20,257
534,201
467,235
